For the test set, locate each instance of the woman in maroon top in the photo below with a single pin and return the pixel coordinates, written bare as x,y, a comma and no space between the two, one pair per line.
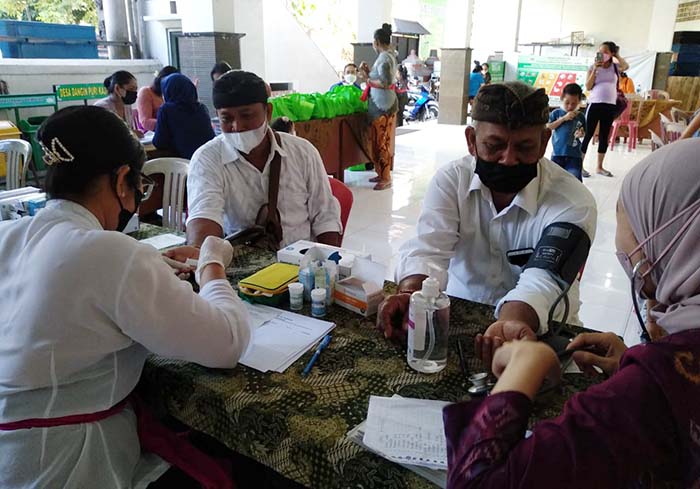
641,427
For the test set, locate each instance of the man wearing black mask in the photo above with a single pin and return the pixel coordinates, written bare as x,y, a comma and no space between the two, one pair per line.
481,211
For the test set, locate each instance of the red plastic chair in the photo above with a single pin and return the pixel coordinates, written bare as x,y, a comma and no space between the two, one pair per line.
344,195
632,127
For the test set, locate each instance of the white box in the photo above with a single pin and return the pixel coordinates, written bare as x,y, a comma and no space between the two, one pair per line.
294,252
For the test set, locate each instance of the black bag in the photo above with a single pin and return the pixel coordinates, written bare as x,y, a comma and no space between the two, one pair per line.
621,101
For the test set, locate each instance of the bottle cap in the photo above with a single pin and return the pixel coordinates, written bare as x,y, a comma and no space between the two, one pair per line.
431,287
296,287
318,294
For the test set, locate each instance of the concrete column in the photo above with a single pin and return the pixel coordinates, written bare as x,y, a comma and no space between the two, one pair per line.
117,28
662,25
207,37
371,14
455,62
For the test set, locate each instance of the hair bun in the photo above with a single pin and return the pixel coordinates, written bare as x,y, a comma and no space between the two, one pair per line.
387,28
107,82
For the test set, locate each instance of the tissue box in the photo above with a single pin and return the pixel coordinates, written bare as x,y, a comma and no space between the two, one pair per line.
362,292
358,296
294,252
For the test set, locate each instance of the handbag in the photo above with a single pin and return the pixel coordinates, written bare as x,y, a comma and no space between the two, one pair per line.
266,234
621,100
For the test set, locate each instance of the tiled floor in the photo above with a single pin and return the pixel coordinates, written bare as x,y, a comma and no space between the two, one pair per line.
380,222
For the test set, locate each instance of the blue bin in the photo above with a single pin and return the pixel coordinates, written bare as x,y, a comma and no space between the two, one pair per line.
70,41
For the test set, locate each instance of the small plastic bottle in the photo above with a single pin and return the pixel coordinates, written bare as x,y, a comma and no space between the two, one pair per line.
318,303
428,325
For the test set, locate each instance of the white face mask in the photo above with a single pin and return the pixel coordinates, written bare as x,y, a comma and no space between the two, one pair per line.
247,141
350,78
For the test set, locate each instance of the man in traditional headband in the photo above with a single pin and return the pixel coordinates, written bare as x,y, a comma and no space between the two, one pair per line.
483,214
230,175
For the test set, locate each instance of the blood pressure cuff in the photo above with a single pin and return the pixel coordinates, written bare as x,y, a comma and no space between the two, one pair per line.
562,250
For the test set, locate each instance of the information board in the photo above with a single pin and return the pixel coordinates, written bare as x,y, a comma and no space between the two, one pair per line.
80,91
29,100
553,73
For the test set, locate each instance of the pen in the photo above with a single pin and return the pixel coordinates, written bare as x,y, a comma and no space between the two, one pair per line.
322,346
462,361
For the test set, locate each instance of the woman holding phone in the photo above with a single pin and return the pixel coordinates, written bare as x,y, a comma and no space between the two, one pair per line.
601,82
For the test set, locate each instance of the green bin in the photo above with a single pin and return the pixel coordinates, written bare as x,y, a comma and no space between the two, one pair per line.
29,127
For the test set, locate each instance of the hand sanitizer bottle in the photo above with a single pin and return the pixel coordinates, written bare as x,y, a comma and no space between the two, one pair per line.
428,325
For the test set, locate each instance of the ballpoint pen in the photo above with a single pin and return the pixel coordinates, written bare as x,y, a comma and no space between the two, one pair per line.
322,346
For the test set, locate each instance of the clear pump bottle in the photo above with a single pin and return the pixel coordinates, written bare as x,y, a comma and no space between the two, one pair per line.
428,325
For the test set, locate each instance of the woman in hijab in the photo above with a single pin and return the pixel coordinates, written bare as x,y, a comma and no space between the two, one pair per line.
639,428
183,122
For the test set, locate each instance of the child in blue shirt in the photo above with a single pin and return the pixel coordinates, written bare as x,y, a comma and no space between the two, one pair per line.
568,126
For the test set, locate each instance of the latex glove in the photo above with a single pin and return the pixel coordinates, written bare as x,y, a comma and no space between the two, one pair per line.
607,351
498,333
214,250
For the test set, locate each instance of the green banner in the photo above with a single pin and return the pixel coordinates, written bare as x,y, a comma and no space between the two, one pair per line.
80,91
29,100
497,70
552,73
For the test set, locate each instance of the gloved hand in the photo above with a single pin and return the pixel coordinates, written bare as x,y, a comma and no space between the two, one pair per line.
213,250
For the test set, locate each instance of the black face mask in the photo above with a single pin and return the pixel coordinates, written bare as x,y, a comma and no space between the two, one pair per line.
129,98
126,215
505,179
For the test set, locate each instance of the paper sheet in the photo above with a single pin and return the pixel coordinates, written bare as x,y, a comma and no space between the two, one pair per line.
407,431
260,314
164,241
147,137
281,340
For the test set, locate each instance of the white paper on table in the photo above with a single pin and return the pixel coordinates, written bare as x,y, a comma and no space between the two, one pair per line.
259,314
164,241
280,341
407,431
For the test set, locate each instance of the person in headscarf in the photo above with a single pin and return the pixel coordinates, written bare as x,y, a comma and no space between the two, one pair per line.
183,122
639,428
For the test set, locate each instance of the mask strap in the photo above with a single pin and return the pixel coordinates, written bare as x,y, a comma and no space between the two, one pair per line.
665,226
678,236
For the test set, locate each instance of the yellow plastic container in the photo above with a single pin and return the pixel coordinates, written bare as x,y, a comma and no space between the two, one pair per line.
7,131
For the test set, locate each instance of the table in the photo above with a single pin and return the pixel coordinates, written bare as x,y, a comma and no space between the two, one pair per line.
297,425
648,116
342,141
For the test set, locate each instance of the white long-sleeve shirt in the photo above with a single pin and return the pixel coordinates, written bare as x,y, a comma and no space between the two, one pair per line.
80,308
224,187
459,230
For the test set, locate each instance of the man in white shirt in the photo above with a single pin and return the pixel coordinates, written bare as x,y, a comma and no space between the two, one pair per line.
228,178
497,200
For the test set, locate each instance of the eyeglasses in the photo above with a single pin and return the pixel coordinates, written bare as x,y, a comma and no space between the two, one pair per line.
147,185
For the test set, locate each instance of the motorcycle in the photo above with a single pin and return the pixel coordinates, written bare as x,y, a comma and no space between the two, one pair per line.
421,106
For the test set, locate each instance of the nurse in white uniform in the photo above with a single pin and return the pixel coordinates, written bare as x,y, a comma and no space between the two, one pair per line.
82,305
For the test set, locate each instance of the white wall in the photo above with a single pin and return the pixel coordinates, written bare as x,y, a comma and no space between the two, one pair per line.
156,42
626,22
291,55
39,75
662,25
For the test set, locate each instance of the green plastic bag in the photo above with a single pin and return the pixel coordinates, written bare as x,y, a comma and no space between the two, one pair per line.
342,100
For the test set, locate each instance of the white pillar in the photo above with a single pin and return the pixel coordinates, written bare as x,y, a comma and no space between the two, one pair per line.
116,27
459,17
371,14
249,19
662,25
206,15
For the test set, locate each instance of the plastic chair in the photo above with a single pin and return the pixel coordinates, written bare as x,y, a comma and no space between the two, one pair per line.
656,141
344,195
174,171
672,131
18,153
632,127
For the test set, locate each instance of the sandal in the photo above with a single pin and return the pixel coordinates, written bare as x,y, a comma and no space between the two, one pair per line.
604,172
375,179
383,185
585,174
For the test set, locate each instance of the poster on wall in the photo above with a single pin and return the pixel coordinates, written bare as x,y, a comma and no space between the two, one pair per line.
553,73
497,70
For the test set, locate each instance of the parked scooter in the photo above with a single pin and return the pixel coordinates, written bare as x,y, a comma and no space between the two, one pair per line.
421,106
